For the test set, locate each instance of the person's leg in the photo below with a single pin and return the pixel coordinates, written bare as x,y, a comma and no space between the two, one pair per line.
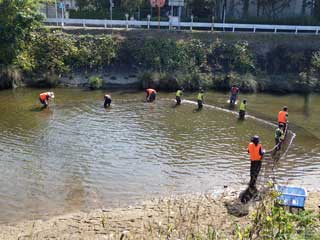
199,104
254,172
178,99
44,103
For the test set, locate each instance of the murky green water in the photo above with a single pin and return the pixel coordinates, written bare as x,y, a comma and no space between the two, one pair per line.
78,156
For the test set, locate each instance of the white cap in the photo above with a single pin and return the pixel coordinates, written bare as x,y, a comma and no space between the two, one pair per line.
51,94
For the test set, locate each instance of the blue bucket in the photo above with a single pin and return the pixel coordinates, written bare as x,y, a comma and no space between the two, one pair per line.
292,196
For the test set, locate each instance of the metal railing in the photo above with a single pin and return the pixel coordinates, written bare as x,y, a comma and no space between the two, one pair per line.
233,27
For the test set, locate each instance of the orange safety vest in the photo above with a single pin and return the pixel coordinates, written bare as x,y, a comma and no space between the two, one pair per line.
150,91
254,151
282,117
44,96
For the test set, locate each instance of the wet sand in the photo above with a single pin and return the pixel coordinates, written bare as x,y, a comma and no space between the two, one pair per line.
167,218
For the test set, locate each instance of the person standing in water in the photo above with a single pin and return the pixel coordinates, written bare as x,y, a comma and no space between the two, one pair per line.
151,95
283,117
234,94
45,97
256,154
200,99
179,94
107,101
242,109
279,136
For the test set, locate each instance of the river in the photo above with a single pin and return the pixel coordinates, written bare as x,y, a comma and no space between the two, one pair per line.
76,155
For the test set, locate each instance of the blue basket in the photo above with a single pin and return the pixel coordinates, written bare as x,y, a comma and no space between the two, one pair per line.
292,196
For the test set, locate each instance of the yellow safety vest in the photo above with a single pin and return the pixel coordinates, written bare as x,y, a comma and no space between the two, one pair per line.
200,96
243,106
179,93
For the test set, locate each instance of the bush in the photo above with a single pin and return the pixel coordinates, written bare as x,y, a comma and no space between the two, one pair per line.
231,57
272,221
95,82
245,82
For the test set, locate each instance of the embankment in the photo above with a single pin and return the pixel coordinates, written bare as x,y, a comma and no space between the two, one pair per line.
165,60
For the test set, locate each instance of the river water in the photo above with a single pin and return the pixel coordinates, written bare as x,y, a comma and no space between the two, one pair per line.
76,155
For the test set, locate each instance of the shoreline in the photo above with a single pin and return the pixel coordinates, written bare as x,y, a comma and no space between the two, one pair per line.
174,217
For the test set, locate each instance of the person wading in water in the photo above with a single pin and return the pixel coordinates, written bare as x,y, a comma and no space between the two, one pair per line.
107,101
200,99
151,95
179,94
256,154
45,97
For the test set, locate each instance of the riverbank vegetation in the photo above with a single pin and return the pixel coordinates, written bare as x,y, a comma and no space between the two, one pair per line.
35,56
165,63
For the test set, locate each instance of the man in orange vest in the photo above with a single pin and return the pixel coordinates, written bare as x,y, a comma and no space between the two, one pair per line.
256,154
45,98
283,117
151,94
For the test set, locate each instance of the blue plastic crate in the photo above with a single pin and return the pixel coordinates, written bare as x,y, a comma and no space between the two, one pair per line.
292,196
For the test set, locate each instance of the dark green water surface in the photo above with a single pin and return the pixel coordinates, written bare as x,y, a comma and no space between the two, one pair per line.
78,156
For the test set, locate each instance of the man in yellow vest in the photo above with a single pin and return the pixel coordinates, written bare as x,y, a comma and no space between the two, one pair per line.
200,98
256,154
179,94
242,109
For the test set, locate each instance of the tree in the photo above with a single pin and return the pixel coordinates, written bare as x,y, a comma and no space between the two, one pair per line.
18,18
131,5
245,9
272,8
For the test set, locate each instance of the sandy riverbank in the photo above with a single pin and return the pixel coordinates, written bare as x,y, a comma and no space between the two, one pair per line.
175,217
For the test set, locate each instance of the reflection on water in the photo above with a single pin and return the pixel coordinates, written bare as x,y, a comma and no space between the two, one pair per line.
77,155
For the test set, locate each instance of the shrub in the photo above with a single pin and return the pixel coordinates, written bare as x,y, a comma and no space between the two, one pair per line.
272,221
95,82
231,57
149,80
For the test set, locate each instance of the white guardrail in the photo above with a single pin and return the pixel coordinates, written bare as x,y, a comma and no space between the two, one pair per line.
183,25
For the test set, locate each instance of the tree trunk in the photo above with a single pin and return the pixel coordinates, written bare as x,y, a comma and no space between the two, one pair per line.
303,8
258,7
245,9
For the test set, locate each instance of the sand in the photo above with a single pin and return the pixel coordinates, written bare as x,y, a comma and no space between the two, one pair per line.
167,218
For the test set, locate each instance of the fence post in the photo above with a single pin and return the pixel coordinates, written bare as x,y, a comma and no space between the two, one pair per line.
212,26
84,23
275,30
127,24
191,23
254,29
317,32
233,28
105,24
149,17
170,22
296,30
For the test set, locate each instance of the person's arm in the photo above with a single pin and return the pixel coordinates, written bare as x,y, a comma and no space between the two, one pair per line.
261,151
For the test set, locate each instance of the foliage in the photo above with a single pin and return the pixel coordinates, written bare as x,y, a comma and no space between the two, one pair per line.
231,57
18,19
315,62
284,59
272,221
95,82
